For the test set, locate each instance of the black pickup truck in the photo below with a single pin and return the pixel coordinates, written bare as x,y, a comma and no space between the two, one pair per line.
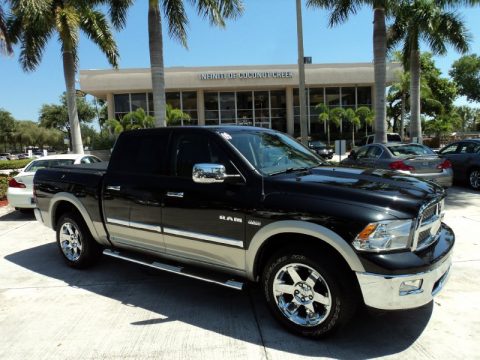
229,204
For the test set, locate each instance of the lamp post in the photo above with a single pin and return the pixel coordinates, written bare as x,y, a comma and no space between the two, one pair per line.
301,77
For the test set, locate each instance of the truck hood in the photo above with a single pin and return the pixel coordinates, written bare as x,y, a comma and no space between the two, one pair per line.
386,191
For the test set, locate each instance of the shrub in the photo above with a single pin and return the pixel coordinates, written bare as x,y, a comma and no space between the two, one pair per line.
13,164
3,186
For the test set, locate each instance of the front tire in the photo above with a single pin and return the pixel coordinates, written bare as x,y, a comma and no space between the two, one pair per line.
474,178
75,243
309,295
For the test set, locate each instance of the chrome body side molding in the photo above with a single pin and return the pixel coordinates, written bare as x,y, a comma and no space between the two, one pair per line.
199,236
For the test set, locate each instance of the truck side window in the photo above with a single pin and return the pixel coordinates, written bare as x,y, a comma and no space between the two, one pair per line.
191,149
140,153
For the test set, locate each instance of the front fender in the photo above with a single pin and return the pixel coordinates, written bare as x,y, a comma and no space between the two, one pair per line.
303,228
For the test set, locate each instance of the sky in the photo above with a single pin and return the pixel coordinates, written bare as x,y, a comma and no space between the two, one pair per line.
265,34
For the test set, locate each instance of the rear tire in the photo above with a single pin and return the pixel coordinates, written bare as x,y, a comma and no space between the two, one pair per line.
474,178
75,243
310,295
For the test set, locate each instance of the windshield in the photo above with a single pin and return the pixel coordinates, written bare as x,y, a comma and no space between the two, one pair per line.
272,153
317,143
40,164
409,150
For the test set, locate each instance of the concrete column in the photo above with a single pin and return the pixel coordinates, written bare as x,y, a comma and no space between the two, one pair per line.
110,106
290,115
200,107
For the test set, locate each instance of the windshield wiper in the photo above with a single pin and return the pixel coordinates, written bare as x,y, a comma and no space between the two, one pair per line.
294,169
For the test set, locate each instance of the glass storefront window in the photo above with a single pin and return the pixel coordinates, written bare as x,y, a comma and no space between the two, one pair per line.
139,101
173,99
332,96
364,96
150,104
227,108
245,107
348,96
211,100
189,100
122,103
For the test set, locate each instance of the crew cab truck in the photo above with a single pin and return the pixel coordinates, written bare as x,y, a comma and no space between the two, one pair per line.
235,204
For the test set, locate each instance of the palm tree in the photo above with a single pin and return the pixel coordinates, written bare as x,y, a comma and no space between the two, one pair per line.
432,22
352,117
5,44
175,116
134,120
340,11
365,115
217,11
336,117
324,117
33,23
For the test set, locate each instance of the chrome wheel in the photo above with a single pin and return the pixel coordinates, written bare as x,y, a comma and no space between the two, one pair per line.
475,179
302,294
70,241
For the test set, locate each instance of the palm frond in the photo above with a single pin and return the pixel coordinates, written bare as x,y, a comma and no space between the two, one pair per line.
95,25
118,12
5,43
177,20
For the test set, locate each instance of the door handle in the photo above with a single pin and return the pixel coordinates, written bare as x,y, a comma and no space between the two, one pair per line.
113,188
175,194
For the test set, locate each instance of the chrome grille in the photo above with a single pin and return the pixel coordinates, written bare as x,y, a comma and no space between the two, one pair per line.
428,225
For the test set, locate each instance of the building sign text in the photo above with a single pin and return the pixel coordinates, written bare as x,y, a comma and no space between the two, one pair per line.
247,75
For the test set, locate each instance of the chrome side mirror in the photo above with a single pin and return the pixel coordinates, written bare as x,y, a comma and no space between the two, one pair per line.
210,173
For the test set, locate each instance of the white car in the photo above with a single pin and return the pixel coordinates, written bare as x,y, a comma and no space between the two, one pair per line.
20,187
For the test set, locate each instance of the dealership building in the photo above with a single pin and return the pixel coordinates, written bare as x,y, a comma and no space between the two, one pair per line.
264,95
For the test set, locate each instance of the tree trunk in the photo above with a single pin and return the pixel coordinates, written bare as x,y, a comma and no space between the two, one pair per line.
155,42
380,71
69,73
402,116
328,132
415,124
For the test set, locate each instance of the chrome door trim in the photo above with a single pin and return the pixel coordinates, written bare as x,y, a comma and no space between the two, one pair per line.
212,238
113,188
136,225
143,226
118,222
175,194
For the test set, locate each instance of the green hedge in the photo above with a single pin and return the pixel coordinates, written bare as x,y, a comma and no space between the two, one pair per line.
3,186
13,164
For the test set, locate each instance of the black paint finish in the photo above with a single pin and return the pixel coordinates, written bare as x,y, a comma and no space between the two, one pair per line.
144,165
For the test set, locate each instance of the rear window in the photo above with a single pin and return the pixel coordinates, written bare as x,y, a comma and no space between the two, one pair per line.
405,151
140,152
394,138
41,164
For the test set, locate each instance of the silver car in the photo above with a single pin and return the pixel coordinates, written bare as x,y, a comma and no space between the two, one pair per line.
410,159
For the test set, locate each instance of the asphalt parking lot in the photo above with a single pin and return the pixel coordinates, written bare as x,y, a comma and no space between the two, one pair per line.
122,310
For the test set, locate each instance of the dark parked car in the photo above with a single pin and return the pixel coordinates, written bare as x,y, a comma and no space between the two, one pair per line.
465,158
410,159
321,149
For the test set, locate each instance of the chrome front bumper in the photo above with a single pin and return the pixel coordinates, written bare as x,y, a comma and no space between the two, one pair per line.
397,292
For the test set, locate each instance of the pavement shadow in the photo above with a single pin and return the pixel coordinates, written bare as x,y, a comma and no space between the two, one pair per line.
225,311
461,197
18,216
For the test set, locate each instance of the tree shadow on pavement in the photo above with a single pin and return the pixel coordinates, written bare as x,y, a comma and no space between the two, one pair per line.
225,311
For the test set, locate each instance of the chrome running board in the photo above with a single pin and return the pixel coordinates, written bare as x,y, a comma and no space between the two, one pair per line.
219,279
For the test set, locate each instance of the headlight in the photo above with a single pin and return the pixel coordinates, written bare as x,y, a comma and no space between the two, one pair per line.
384,235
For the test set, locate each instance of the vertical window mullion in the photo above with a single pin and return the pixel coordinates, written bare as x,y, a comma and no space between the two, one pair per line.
236,108
269,109
181,107
253,107
219,109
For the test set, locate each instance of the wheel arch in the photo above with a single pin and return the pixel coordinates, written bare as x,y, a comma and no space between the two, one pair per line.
272,237
65,202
